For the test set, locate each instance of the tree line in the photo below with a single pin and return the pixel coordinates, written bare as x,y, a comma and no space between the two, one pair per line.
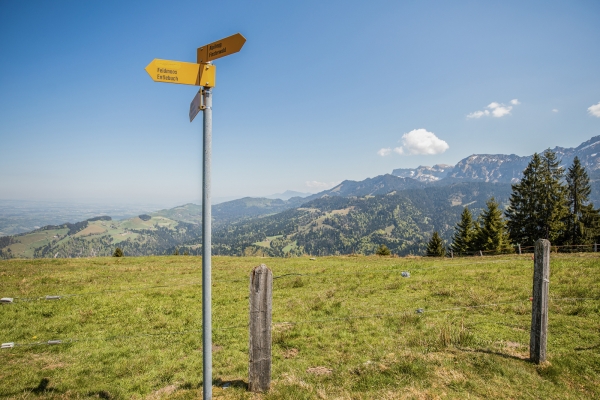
548,203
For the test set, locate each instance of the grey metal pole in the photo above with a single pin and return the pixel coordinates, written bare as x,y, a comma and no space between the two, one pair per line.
206,248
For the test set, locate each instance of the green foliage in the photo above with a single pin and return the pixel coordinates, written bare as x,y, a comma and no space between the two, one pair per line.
118,252
464,234
435,247
383,250
582,223
538,203
491,235
324,226
176,252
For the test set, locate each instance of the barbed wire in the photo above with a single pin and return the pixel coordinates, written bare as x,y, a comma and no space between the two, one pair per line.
116,337
274,324
363,271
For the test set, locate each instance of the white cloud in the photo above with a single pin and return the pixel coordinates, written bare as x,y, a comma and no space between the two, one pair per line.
494,109
555,110
595,110
384,152
420,141
478,114
320,185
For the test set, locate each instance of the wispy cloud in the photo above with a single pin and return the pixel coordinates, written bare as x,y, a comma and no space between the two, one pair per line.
421,141
595,110
320,185
384,152
555,110
494,109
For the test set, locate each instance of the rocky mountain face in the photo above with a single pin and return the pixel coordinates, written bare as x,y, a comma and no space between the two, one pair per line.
501,168
424,173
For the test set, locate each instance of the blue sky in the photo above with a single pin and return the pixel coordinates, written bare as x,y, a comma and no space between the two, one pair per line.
320,93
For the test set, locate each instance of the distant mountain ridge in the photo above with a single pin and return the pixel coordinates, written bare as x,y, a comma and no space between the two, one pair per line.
501,168
288,194
354,216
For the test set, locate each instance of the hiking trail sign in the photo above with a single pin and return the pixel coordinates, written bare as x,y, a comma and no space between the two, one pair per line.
220,48
202,73
183,73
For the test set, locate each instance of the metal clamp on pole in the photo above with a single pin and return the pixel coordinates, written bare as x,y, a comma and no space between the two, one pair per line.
8,345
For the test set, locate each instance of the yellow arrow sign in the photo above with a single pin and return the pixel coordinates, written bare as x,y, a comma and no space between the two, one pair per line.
183,73
220,48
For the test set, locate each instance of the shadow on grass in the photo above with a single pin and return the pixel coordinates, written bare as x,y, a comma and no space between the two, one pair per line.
596,346
223,384
496,353
227,384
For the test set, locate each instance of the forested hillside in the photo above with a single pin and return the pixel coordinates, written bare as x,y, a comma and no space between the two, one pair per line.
403,220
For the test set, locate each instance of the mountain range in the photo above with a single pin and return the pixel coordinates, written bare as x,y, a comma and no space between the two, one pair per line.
501,168
400,210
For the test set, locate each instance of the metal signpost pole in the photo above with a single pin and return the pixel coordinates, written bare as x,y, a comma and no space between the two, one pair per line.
206,248
202,73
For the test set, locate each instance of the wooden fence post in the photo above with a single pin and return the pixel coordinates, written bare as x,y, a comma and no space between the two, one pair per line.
261,305
480,253
595,247
451,253
519,245
539,312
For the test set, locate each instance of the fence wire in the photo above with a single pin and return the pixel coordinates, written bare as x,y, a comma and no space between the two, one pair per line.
419,311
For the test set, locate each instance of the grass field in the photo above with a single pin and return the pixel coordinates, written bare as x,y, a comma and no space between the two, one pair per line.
345,328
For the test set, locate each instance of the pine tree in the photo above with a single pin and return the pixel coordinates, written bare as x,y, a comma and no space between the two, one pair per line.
538,202
581,223
435,247
462,241
492,235
118,252
553,198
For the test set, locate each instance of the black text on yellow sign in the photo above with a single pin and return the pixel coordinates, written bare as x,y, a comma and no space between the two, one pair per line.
220,48
183,73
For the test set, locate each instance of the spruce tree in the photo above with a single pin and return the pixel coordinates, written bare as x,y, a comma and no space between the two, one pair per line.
462,241
118,252
492,235
581,223
553,198
538,202
435,247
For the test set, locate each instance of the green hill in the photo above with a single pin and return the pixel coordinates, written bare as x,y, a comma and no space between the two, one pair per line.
402,220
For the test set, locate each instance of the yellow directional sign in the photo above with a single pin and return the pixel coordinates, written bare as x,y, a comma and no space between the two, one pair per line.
182,72
220,48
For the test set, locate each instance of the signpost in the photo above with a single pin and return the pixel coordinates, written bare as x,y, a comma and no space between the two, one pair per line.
202,73
220,48
196,105
181,72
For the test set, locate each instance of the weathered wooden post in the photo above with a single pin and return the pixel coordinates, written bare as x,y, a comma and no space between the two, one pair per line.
480,253
595,247
451,253
519,246
261,305
539,311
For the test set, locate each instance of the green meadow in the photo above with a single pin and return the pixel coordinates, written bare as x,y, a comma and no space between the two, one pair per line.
343,328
